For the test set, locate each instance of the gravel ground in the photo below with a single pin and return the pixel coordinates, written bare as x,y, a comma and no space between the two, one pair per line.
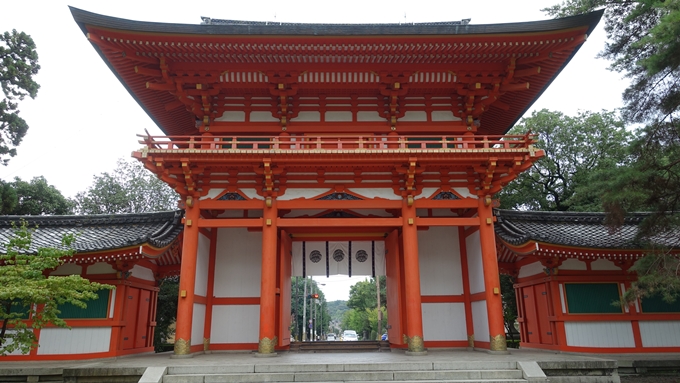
651,379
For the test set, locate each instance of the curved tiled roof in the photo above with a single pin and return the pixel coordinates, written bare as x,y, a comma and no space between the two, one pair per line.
99,232
576,229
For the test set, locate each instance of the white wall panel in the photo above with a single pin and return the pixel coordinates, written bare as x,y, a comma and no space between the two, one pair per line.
465,193
202,259
79,340
312,116
599,334
660,333
251,193
143,273
386,193
369,116
439,256
100,268
444,321
338,116
480,321
238,263
414,115
573,264
293,193
530,269
603,264
68,269
474,259
235,324
427,193
197,324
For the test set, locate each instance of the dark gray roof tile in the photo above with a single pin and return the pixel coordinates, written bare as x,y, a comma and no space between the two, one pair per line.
99,232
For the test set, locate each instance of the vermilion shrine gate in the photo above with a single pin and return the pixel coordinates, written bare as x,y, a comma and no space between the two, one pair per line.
280,133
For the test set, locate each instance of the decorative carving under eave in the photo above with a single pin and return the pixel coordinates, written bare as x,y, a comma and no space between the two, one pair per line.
446,196
339,197
231,197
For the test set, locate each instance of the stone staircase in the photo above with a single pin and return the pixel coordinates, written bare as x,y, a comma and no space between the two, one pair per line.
460,372
326,346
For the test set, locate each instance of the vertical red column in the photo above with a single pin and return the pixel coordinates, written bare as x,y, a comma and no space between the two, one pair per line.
492,289
207,328
268,339
414,312
187,279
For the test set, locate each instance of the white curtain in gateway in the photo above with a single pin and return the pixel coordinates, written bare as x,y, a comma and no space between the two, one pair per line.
319,258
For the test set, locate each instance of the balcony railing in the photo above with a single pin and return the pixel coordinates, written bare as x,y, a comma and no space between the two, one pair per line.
334,143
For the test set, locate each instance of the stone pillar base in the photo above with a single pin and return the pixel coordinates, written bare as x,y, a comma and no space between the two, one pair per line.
267,355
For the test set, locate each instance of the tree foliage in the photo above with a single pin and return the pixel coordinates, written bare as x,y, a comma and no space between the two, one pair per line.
166,311
363,314
128,189
575,147
18,65
297,305
36,197
27,293
643,44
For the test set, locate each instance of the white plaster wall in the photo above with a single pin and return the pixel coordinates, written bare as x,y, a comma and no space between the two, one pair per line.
427,193
444,321
251,193
386,193
260,116
68,269
235,324
302,212
480,321
233,116
439,256
444,115
197,324
465,193
530,269
238,263
369,116
573,264
344,116
293,193
475,266
79,340
311,116
212,193
603,264
414,115
202,259
660,333
142,272
599,334
100,268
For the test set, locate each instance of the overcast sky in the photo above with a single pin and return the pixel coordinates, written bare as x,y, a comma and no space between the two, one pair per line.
83,119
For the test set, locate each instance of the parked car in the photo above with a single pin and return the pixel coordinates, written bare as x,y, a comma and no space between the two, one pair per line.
330,337
350,335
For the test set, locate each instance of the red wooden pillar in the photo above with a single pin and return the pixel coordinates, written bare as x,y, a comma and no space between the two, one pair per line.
187,280
268,339
414,312
492,290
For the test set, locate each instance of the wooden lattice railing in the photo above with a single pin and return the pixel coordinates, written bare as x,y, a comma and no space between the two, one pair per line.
357,143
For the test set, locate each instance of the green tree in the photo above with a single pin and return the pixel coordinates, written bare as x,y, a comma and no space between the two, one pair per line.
509,299
27,293
18,65
297,304
575,148
130,188
36,197
363,314
643,44
166,312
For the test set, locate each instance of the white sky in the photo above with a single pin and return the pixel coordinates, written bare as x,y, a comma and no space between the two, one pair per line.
83,119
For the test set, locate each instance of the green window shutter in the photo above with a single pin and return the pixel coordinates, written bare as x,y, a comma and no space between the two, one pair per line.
656,304
592,298
96,308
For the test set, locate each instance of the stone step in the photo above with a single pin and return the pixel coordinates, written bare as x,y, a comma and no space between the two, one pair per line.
343,367
353,376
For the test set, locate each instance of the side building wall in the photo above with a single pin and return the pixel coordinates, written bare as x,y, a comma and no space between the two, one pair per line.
573,310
